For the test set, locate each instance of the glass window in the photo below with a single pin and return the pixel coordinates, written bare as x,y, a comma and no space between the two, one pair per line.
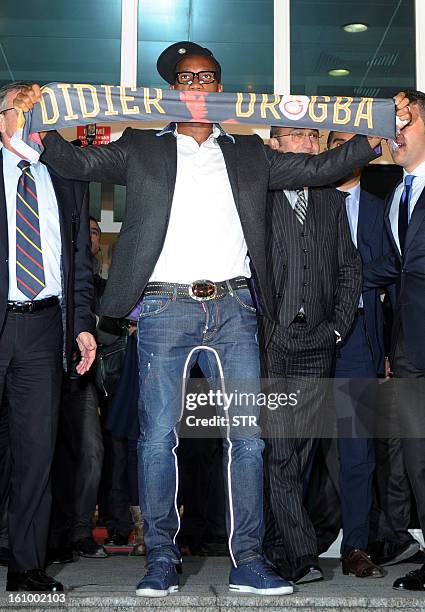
47,40
238,32
379,60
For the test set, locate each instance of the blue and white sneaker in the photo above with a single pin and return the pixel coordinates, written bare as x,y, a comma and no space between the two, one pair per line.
258,577
160,579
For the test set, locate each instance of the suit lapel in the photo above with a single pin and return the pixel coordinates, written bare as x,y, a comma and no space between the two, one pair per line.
4,240
366,225
416,220
280,207
65,212
168,144
388,223
317,215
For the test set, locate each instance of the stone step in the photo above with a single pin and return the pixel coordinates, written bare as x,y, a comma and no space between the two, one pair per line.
109,584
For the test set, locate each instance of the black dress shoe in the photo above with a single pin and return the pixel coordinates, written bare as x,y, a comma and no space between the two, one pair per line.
418,557
305,569
116,540
389,553
307,573
413,581
87,547
60,555
4,556
32,580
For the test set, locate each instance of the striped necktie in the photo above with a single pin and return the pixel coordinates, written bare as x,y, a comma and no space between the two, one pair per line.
29,257
300,208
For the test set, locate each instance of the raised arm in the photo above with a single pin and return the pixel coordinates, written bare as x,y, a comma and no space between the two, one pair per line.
297,170
105,164
293,171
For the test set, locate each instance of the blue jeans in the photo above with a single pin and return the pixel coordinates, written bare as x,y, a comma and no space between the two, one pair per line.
168,329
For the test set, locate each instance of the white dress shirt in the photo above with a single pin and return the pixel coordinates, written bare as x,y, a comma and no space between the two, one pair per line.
204,238
418,186
49,226
292,196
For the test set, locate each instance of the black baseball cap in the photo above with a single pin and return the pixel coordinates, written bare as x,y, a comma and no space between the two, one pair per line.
172,55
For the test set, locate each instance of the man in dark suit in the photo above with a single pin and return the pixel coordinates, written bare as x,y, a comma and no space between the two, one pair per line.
315,277
404,265
45,304
77,465
359,361
196,199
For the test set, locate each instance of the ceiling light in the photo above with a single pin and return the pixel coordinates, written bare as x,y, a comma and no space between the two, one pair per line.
355,28
338,72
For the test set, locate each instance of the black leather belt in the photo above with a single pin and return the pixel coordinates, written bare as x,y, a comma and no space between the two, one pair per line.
33,305
200,290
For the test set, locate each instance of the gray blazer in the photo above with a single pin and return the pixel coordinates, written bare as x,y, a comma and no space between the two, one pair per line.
147,165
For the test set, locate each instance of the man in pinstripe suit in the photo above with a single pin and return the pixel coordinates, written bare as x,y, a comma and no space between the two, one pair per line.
315,275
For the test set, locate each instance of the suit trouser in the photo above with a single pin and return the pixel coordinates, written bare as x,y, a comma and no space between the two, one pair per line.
390,520
298,358
355,390
77,465
31,368
409,384
114,499
4,474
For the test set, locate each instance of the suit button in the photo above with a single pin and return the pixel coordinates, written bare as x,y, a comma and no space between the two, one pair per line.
305,284
278,295
302,234
305,268
305,250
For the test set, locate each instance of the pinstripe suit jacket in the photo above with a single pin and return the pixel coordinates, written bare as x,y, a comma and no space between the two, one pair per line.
336,261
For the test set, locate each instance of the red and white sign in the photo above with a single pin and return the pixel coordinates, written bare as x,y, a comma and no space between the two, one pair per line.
103,134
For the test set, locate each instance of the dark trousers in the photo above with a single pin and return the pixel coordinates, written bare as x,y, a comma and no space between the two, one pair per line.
114,493
391,517
355,391
4,474
298,358
77,464
31,368
201,491
409,385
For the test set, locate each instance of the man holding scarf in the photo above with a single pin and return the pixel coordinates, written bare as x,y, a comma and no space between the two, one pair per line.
196,199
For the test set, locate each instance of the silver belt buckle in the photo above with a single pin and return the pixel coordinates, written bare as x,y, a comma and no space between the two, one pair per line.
203,290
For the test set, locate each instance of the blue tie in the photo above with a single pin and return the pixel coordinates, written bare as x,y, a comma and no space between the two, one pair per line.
404,209
29,257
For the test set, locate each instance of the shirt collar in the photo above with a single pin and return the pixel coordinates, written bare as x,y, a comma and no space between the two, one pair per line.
354,191
10,158
418,171
218,131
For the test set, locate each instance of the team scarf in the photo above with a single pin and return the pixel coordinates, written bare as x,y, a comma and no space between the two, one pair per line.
67,105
